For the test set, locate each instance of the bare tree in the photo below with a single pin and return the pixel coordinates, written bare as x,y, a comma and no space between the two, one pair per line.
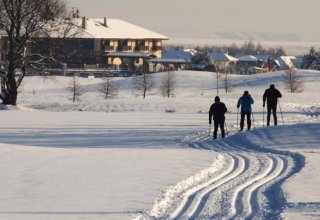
227,81
143,83
109,88
75,88
21,21
218,75
168,84
292,81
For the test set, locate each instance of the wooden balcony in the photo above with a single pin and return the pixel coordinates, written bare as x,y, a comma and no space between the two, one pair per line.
124,48
155,48
108,48
142,48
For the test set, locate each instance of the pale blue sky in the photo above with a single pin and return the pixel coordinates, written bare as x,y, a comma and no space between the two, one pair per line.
279,19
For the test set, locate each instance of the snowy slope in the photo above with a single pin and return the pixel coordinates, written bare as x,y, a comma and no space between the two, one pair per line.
127,158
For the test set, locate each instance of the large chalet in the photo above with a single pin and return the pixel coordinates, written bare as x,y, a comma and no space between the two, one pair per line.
110,42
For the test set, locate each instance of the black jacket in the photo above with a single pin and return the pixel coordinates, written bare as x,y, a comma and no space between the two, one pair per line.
271,95
217,110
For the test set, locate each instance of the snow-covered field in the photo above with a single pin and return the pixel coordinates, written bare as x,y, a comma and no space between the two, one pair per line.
129,158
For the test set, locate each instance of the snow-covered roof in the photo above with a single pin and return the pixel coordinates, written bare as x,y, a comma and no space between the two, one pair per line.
178,54
162,60
115,29
192,51
286,61
248,58
223,57
95,28
297,61
262,57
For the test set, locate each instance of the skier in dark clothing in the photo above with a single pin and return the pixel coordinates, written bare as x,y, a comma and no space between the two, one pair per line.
217,111
271,95
245,102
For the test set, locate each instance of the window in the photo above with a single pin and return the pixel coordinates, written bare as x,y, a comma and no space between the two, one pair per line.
106,42
140,43
123,42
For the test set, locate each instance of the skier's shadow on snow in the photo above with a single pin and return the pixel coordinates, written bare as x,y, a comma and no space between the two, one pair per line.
73,213
90,138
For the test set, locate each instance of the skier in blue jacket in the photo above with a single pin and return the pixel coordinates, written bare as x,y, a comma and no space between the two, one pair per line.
245,102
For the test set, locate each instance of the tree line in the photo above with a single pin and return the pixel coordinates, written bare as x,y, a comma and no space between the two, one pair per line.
248,47
141,85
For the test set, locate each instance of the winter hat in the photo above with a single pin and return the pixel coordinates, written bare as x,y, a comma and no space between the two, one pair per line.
271,86
217,99
246,93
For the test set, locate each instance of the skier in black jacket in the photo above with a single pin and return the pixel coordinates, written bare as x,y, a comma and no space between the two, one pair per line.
217,111
271,95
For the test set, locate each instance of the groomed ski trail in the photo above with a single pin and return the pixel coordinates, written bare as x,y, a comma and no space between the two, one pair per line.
194,201
234,187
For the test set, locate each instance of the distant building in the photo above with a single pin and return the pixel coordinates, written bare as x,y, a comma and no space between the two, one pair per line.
223,61
286,62
248,59
172,60
256,64
102,41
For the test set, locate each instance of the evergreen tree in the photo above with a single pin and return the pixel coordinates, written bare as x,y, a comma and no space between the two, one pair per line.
315,65
203,61
312,58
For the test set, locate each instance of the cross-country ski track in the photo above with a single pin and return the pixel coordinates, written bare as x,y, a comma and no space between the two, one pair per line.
153,158
242,183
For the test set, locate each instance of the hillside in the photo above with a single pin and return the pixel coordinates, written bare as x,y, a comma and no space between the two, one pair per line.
130,157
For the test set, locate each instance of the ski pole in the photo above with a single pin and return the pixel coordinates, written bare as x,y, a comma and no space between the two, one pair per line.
225,125
263,116
281,112
237,119
253,120
209,129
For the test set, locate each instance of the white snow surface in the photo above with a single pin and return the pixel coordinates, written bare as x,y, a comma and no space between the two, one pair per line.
115,29
132,158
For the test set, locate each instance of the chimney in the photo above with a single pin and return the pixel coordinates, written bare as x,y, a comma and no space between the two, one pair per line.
105,23
84,22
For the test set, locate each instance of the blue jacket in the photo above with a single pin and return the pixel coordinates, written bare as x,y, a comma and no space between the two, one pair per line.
245,102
